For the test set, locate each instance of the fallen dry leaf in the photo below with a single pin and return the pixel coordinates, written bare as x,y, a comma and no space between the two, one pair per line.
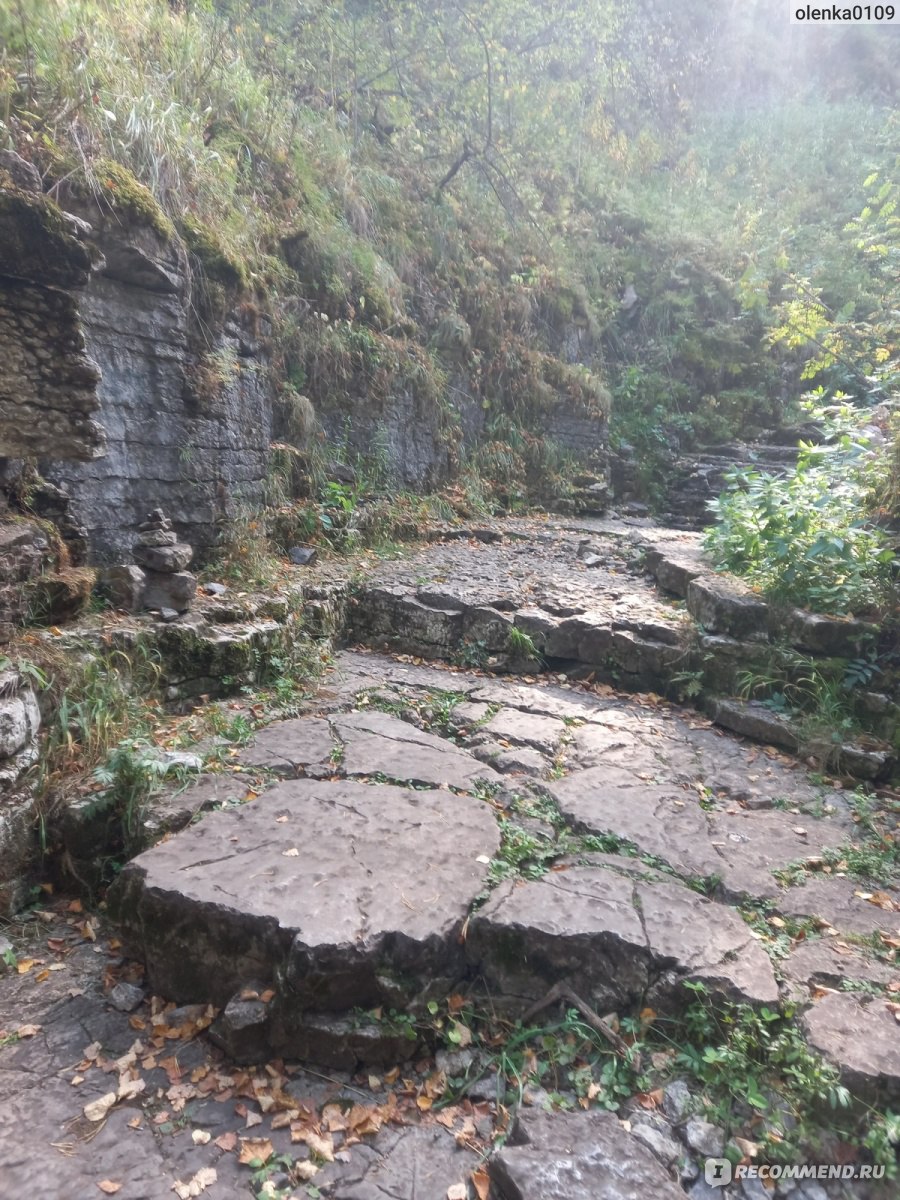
227,1141
457,1191
255,1150
481,1183
204,1178
305,1170
109,1187
200,1137
28,1031
97,1109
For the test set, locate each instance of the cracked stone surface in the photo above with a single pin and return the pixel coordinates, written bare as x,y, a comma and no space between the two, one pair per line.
841,904
616,940
860,1036
239,897
379,743
741,848
579,1156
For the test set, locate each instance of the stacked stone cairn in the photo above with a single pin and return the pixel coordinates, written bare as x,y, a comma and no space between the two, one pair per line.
167,585
160,581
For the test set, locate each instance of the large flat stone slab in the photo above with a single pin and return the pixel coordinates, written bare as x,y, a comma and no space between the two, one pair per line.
861,1037
340,894
377,743
577,1156
615,939
741,849
290,748
841,903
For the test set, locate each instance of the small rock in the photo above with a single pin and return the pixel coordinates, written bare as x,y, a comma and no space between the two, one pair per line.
215,589
663,1145
455,1062
169,614
126,997
689,1169
704,1138
242,1029
677,1100
302,556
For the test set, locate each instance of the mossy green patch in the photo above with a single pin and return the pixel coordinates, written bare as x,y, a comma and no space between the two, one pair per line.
217,263
129,198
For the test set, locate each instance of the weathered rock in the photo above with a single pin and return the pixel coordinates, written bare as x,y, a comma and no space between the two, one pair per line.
726,606
48,384
126,997
677,1100
526,729
577,1156
406,1164
378,743
818,962
289,748
163,559
242,1029
24,175
123,587
754,720
614,940
176,590
302,556
359,885
830,636
838,903
703,1137
20,716
659,1139
860,1037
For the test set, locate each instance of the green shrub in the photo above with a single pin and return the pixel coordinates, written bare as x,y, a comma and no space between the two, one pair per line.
808,537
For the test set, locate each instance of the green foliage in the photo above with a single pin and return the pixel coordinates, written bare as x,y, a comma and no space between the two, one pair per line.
129,777
807,537
757,1059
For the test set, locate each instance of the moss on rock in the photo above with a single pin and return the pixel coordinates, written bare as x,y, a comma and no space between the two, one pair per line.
217,263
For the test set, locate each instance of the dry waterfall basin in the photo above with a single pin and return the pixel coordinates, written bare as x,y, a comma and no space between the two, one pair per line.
346,869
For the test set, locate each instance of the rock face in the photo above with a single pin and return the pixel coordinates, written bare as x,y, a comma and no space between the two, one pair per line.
48,381
371,915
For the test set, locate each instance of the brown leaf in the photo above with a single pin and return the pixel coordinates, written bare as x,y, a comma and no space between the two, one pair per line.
255,1150
109,1187
481,1183
28,1031
226,1141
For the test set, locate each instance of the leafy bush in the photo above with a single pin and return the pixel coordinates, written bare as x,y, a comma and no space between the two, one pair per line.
808,537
